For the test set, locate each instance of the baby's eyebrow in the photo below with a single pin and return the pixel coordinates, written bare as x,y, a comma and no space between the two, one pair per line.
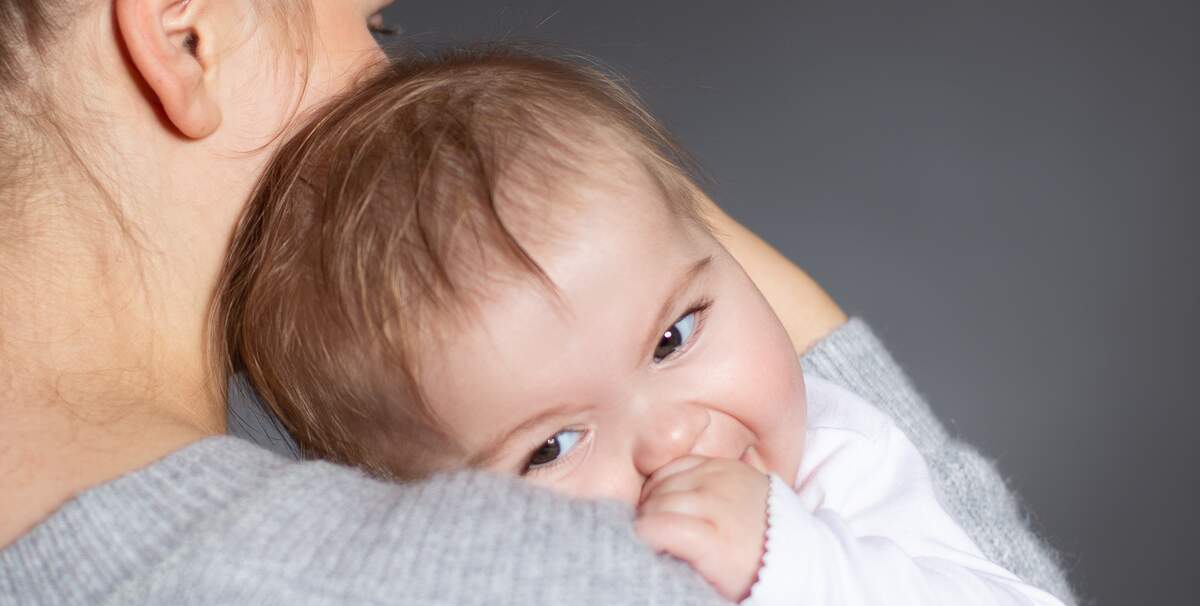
670,303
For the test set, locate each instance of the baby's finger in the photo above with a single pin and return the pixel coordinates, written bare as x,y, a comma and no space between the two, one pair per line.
681,482
682,536
670,470
689,503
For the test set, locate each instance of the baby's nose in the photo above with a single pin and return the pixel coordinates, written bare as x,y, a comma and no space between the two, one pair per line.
670,431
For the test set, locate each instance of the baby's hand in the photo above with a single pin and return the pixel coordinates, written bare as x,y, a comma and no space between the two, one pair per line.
710,513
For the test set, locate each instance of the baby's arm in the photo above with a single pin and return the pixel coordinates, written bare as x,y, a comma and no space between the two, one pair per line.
967,484
865,527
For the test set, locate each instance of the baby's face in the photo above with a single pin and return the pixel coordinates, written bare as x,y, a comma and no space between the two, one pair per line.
658,346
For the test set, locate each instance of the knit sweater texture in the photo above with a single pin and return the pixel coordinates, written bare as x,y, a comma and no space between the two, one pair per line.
224,521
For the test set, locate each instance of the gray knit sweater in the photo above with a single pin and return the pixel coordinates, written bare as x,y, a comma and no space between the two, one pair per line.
226,522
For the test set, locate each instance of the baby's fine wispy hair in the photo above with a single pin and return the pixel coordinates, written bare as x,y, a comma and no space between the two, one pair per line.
381,218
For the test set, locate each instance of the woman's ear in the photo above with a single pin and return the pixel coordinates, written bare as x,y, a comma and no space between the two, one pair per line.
170,44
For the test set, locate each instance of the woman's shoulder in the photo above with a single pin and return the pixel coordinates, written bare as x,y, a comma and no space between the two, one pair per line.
217,518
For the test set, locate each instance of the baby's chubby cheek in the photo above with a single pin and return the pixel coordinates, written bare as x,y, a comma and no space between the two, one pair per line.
767,393
757,409
751,371
779,426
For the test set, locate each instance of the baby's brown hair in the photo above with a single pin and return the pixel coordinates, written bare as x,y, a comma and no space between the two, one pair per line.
376,220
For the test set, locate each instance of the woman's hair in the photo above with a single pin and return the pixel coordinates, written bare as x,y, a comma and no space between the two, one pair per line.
381,220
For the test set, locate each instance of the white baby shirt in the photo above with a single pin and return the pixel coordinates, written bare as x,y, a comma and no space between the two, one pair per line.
862,525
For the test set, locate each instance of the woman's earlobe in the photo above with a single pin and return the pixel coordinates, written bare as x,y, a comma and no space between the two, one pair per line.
165,41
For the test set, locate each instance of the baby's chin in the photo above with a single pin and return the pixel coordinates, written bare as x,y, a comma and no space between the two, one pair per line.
786,464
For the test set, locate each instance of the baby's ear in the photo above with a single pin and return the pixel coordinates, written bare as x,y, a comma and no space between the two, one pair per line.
171,44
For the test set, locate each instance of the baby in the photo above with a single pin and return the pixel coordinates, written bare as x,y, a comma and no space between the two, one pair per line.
494,260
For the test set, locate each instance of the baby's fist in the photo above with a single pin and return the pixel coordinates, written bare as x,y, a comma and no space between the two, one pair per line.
711,513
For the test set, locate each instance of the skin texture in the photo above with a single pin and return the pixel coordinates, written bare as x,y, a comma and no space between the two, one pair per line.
685,438
106,272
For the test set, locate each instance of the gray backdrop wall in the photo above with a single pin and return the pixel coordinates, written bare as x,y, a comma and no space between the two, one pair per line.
1007,191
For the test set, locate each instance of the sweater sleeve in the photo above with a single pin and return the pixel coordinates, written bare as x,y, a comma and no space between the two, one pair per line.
967,485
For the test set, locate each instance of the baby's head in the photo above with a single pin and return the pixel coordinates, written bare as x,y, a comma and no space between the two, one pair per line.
491,259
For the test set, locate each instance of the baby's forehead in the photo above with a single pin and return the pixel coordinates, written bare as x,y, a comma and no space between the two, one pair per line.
600,198
580,187
544,222
554,210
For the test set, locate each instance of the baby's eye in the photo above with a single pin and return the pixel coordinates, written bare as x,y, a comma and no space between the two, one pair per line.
675,337
556,447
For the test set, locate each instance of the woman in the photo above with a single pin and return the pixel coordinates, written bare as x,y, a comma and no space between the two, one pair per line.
132,133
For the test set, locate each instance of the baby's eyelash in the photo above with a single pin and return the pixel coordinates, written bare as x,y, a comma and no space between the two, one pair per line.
700,308
582,444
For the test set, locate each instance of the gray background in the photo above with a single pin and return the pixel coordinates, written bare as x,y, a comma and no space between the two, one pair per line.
1006,191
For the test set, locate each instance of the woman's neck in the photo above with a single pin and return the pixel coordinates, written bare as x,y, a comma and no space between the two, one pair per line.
98,373
50,456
